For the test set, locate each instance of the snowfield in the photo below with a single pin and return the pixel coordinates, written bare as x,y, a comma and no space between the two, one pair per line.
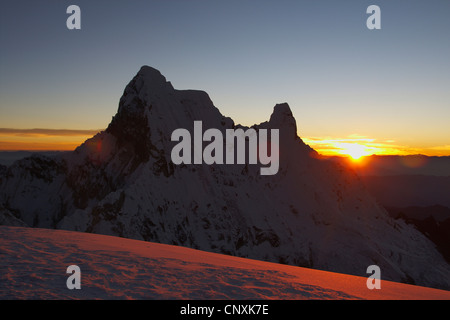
33,265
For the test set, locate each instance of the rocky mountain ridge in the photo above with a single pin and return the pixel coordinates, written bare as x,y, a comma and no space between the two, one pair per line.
122,182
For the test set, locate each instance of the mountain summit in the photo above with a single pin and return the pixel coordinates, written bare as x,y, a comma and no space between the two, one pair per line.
122,182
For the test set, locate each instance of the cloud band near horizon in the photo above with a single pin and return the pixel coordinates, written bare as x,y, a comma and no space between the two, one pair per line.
44,139
47,132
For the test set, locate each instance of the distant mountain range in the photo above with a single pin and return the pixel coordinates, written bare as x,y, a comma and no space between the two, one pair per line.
415,189
404,165
122,182
7,158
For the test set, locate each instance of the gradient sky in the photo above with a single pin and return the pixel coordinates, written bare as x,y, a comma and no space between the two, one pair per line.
387,88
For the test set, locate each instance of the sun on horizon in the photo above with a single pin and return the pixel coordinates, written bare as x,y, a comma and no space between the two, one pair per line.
354,151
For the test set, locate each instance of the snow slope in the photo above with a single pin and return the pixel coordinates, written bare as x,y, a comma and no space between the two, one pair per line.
33,266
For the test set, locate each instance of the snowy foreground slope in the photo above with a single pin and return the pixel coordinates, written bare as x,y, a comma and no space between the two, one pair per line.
33,266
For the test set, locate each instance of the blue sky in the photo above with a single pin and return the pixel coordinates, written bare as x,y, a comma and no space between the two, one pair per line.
339,78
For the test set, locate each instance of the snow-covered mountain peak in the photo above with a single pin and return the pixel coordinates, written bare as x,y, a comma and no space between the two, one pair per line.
142,89
281,110
282,117
153,78
123,182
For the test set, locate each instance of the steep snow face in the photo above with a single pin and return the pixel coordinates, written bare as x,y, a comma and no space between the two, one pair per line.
122,182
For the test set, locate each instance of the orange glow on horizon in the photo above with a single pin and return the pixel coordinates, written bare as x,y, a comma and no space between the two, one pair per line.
41,143
38,146
43,139
354,147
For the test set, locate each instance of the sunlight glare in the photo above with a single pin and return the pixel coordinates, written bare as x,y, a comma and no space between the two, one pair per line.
354,150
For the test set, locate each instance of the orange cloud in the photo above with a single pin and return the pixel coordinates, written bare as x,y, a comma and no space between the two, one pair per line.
46,132
43,139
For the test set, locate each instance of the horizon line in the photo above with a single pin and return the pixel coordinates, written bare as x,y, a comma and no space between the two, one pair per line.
321,155
53,139
49,132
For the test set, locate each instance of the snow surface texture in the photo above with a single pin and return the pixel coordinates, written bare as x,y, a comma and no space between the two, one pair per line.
34,263
122,182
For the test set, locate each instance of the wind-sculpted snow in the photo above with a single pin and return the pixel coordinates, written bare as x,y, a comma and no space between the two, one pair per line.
34,263
122,182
